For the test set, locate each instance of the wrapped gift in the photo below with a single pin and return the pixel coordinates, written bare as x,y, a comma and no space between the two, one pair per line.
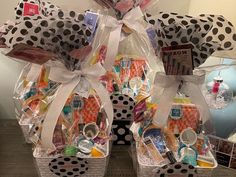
70,110
128,82
158,149
182,43
128,68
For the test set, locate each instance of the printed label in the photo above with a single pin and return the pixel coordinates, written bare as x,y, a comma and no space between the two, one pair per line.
176,112
30,9
178,60
152,37
225,151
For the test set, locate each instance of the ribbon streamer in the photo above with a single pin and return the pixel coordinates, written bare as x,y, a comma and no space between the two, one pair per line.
69,80
131,21
34,72
191,86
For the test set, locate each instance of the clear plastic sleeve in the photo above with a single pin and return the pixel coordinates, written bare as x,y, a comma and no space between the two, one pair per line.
33,97
58,43
121,7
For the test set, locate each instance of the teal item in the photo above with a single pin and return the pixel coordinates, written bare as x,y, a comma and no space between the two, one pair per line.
190,159
67,109
140,131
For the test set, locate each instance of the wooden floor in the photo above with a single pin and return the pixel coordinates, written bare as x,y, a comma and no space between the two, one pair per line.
16,156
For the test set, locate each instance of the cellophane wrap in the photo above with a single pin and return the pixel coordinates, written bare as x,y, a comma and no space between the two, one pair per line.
59,81
180,107
151,136
122,7
32,97
129,72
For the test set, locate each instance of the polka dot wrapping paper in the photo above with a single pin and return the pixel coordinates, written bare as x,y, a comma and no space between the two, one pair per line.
69,166
28,8
53,30
177,169
34,7
206,33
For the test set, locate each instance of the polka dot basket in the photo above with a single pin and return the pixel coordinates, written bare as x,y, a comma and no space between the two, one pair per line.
177,170
71,166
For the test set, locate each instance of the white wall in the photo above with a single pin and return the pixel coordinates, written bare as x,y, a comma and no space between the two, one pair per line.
220,7
9,69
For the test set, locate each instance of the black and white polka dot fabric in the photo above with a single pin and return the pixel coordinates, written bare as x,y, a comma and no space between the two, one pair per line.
222,32
123,106
6,27
177,169
46,8
69,166
206,33
60,33
121,132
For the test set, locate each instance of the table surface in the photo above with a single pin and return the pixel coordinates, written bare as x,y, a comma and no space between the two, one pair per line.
16,156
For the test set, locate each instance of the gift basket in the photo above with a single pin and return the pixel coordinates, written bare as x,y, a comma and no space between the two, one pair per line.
178,137
60,95
171,136
128,66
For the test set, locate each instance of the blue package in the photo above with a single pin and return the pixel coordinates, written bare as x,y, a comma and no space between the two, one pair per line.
156,135
91,20
152,36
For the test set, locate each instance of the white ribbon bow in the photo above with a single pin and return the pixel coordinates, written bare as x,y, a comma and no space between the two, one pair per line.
131,21
69,80
34,72
191,86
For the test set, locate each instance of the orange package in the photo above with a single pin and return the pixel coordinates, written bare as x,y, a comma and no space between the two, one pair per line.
190,117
